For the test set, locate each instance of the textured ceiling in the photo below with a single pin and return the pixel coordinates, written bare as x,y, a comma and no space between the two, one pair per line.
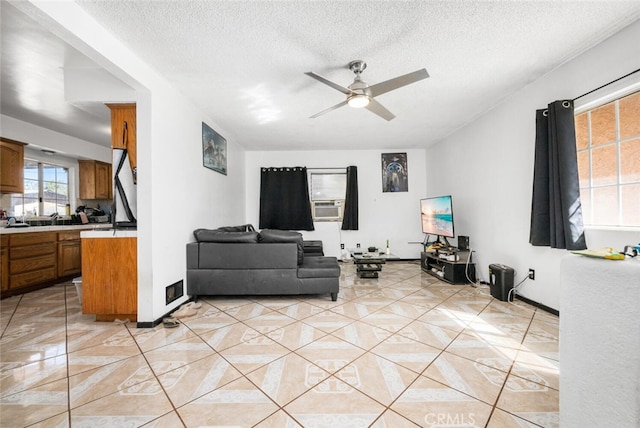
243,62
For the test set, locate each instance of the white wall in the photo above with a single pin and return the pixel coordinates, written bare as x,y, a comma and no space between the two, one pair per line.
394,215
490,165
170,170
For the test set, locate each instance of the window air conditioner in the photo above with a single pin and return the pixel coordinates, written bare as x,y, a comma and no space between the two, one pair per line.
327,210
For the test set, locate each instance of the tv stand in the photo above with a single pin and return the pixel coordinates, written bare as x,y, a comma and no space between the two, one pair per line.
449,266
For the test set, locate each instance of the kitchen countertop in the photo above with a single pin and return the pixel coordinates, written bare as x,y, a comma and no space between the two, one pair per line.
89,226
109,233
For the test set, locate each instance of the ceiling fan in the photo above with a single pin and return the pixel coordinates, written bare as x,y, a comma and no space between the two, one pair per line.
360,94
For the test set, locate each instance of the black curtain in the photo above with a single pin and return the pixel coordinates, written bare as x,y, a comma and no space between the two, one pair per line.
350,215
556,211
284,199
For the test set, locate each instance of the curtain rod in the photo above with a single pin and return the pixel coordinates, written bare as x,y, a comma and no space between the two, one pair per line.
344,167
606,84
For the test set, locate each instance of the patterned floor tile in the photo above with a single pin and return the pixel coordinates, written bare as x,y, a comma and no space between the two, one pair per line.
334,403
406,352
278,420
296,335
390,419
328,364
531,401
34,405
543,339
271,321
445,318
157,337
192,381
246,312
354,310
229,336
178,354
476,349
170,420
112,377
330,353
131,406
377,377
31,375
254,353
238,403
362,335
536,368
287,378
387,320
474,379
301,310
211,320
501,419
432,404
428,334
328,321
116,348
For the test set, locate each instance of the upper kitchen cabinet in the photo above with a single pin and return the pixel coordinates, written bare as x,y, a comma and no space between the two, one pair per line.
95,180
123,130
11,166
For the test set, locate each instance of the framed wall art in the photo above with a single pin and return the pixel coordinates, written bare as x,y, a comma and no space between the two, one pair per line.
395,176
214,150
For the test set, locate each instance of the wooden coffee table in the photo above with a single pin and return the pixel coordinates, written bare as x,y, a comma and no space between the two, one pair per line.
369,264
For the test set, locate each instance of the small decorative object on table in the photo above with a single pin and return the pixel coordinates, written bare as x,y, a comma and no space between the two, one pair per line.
388,249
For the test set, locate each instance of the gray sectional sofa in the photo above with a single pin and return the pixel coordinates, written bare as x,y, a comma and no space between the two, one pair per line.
240,261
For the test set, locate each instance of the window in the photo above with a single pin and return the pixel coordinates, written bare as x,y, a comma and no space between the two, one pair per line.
327,195
608,145
46,190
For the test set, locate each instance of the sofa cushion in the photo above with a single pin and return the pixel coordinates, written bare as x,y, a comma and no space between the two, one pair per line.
319,267
283,236
241,228
208,235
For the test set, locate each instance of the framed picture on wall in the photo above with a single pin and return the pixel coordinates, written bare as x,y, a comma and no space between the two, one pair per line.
395,176
214,150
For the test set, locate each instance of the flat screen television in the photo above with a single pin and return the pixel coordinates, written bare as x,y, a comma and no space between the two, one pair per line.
436,215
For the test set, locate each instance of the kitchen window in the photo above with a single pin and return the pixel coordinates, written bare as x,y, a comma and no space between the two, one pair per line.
608,145
46,190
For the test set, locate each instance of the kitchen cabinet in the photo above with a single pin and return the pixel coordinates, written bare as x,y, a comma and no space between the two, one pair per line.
32,259
69,253
11,166
121,113
4,262
95,180
110,277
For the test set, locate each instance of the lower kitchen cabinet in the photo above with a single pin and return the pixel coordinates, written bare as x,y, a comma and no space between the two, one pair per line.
33,260
69,253
110,277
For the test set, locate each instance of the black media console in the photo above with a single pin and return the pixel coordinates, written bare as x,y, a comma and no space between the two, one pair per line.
454,267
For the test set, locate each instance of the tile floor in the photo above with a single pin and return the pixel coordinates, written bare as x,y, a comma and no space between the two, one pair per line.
404,350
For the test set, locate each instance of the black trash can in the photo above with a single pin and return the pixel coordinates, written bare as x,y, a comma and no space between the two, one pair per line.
501,281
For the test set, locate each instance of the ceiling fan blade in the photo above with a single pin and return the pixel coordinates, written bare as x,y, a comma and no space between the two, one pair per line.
328,82
329,109
397,82
377,108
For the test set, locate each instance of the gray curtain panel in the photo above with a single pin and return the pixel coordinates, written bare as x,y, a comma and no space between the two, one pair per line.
350,215
556,211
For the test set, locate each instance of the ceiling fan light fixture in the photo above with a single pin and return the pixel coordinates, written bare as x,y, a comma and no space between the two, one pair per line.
358,101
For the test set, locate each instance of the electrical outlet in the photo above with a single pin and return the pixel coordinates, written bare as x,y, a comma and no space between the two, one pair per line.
532,274
358,245
342,246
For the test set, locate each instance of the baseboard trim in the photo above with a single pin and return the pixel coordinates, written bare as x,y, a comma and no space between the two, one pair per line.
538,305
152,324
